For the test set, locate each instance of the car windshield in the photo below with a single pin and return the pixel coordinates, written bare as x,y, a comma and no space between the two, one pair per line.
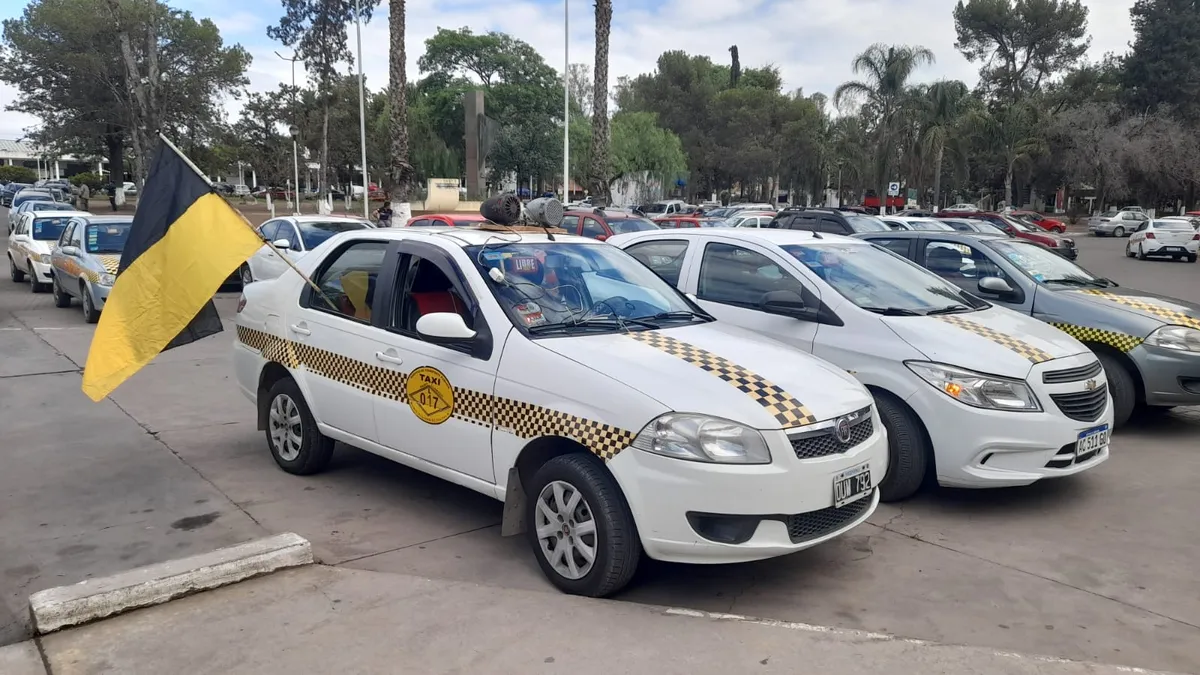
47,206
929,225
655,208
48,229
623,225
556,288
867,224
315,233
880,281
23,197
1019,224
1045,266
1174,225
107,237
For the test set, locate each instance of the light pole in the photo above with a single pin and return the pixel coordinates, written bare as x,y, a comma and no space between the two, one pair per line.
295,132
566,101
362,111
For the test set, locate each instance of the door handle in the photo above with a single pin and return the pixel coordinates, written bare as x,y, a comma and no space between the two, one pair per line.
300,329
389,358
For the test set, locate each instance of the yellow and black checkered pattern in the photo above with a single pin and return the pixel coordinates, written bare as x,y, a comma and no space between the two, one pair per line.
1141,304
1113,339
1019,346
110,263
523,420
787,411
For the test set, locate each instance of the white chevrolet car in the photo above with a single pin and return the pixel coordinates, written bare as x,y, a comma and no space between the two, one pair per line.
982,395
294,236
29,245
1170,238
559,375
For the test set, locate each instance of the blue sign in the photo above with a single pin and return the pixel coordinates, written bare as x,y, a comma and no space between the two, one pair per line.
679,182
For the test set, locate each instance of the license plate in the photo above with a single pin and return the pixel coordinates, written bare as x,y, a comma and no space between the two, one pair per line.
851,484
1090,442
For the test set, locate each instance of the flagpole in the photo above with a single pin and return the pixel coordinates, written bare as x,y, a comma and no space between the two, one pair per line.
271,245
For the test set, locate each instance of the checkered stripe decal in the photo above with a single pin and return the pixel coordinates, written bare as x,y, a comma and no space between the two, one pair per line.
1098,335
110,263
1021,347
1167,314
787,411
523,420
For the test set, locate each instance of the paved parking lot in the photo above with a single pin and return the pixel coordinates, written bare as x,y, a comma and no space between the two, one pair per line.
1097,567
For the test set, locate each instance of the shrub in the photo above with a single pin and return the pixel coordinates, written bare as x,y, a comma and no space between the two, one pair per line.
17,174
94,181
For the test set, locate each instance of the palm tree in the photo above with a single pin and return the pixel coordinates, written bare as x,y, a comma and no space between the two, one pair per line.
598,174
1011,130
401,174
943,109
885,70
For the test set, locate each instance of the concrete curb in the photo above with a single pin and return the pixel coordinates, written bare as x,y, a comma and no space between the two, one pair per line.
56,608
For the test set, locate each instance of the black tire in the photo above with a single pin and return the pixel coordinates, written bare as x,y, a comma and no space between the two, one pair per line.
61,297
316,449
13,273
90,313
1118,231
1129,252
1141,253
617,546
908,450
1191,258
1121,386
35,286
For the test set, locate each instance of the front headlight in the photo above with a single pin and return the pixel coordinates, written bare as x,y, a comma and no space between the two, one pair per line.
43,258
700,438
107,279
1175,337
977,389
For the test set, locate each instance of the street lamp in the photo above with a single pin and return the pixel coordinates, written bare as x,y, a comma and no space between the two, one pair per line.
295,132
362,112
566,101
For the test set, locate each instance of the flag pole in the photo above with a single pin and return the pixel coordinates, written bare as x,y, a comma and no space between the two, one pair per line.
258,234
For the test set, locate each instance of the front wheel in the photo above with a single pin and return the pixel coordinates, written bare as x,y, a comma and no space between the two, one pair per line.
1192,258
292,435
908,450
580,528
35,286
15,274
90,313
1121,386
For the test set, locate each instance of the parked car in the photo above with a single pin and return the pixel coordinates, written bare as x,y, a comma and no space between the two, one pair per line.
1117,223
31,242
446,220
32,195
979,395
1045,222
603,223
749,219
961,208
915,213
664,208
685,221
913,223
1064,246
85,261
974,225
294,236
1149,344
35,205
9,191
1164,238
598,403
832,221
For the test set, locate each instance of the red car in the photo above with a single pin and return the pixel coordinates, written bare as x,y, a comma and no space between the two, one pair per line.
677,221
446,220
601,224
1035,218
1022,230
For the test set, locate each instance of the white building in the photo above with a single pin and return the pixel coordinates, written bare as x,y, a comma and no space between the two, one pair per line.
26,154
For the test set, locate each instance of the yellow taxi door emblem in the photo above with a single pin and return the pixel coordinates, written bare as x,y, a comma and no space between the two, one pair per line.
430,395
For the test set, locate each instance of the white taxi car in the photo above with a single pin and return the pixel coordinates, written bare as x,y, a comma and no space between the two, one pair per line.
294,236
1164,237
31,242
559,375
984,396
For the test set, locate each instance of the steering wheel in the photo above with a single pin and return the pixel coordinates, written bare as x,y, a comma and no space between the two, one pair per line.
617,305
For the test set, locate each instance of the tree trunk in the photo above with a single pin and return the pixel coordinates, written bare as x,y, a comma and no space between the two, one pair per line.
1008,179
401,174
598,178
323,176
937,176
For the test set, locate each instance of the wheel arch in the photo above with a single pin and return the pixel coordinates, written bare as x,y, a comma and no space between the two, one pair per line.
1129,364
533,455
924,431
271,373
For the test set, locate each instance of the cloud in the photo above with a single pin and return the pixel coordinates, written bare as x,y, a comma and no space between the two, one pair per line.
812,42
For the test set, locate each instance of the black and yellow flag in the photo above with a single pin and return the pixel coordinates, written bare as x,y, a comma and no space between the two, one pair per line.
185,242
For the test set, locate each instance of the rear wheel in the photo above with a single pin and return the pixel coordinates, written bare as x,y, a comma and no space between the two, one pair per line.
15,274
1141,252
1121,386
908,450
1128,251
1118,231
292,435
61,297
580,528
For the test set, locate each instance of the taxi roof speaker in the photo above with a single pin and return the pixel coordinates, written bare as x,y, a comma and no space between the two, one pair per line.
503,209
547,211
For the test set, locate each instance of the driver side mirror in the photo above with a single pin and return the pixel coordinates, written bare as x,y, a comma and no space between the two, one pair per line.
787,303
282,244
444,328
71,251
995,286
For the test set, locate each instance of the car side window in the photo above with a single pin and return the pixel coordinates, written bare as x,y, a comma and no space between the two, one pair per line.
423,222
269,229
833,226
570,224
66,235
898,246
423,288
1142,227
592,228
803,223
77,235
734,275
961,264
288,231
664,258
347,278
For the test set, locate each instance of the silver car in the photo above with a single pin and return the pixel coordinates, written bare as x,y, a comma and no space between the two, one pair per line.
1117,223
1149,344
84,263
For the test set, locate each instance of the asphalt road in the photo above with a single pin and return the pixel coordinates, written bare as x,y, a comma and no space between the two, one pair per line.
1097,567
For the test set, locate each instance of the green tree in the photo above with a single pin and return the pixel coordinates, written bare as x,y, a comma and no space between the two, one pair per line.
1020,43
942,110
885,70
1163,67
17,174
1012,131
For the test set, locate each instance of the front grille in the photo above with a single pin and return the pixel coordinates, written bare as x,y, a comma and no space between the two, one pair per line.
1085,406
826,443
804,527
1072,374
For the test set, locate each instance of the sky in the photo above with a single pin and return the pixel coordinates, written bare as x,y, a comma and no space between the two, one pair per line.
812,42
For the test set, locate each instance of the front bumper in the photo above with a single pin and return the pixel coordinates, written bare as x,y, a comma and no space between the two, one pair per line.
670,498
1170,377
42,272
99,294
979,448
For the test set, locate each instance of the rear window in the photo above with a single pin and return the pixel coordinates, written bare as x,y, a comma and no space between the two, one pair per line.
315,233
1177,225
468,223
867,224
1108,214
623,225
48,229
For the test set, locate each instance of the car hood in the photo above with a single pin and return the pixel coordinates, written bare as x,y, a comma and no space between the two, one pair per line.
1147,305
720,370
998,341
109,261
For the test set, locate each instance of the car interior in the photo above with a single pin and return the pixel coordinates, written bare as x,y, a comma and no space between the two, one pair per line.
429,291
